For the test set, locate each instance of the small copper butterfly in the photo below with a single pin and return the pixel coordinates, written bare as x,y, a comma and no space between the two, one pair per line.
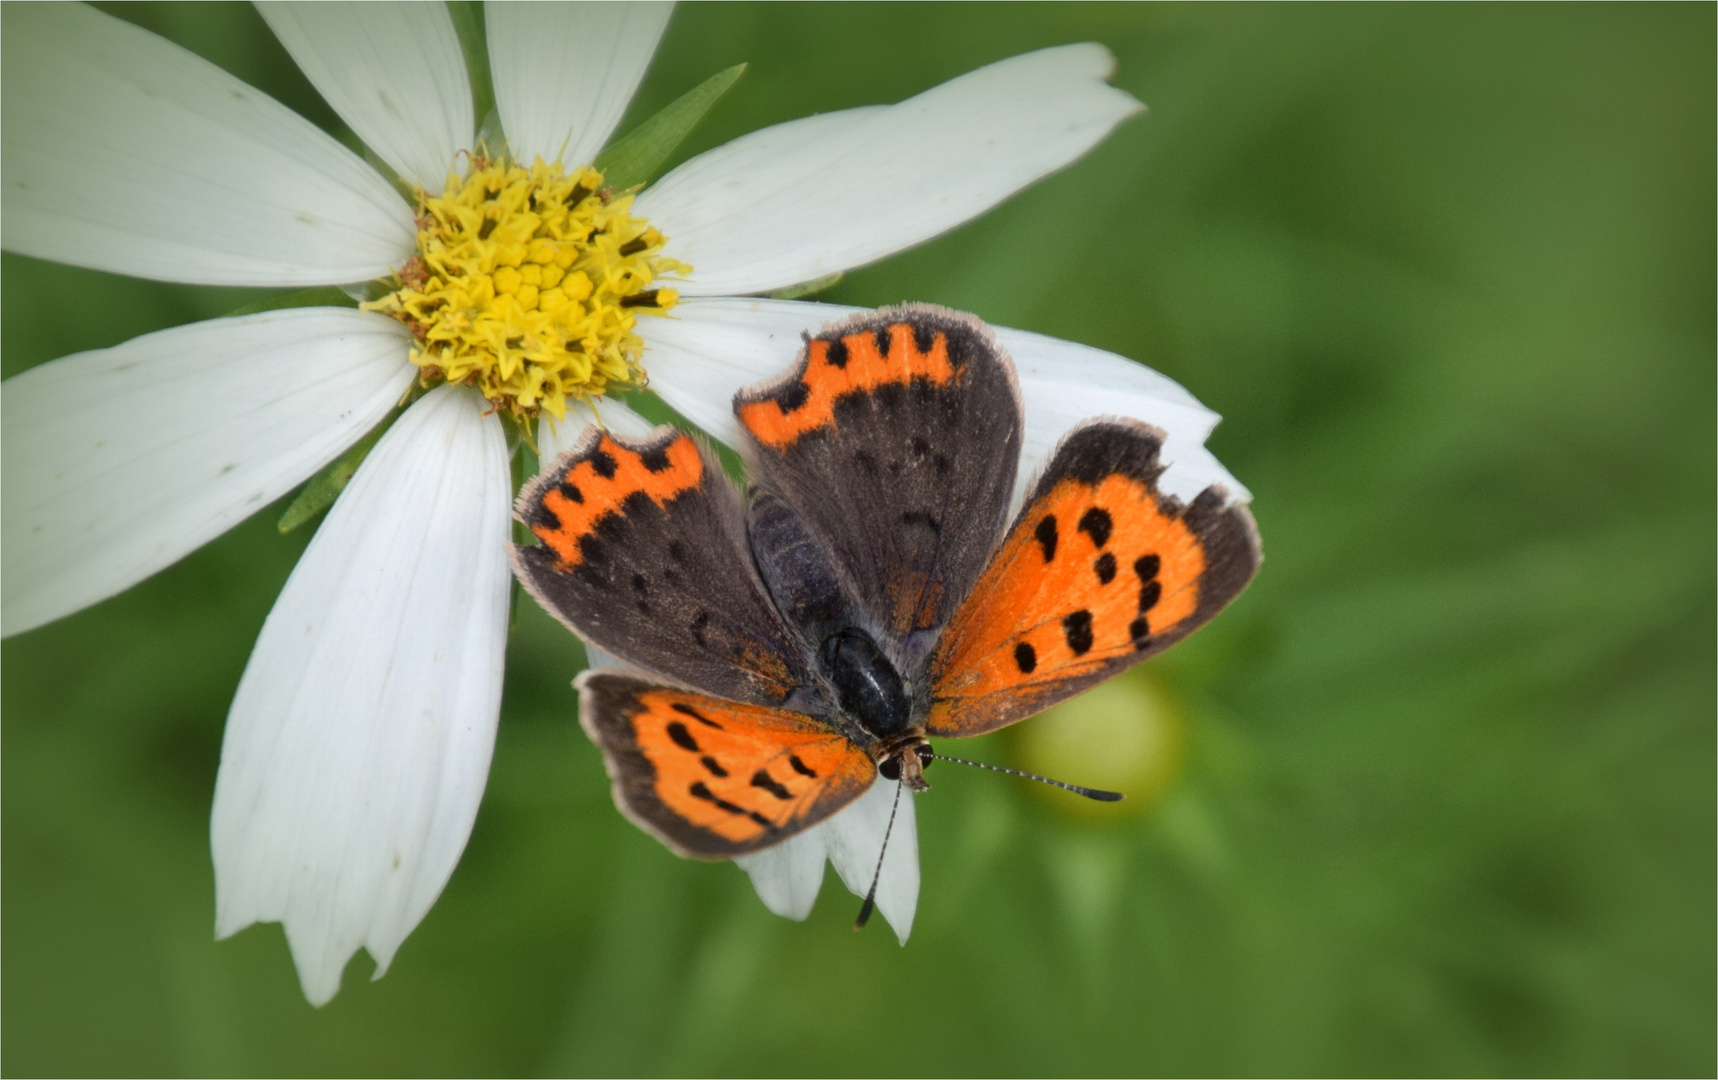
867,592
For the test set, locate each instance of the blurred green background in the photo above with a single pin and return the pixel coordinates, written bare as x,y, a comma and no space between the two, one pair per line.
1443,798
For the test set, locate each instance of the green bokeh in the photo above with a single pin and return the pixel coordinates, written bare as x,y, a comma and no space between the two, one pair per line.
1448,797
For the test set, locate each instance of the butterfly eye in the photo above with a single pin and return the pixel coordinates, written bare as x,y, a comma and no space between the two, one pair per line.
890,768
926,754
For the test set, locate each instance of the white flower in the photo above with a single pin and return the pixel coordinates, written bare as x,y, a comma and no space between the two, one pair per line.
359,740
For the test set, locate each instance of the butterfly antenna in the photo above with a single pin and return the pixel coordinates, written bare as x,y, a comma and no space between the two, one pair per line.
870,904
1090,793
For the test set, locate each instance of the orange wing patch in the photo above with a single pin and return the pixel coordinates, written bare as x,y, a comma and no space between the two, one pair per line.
855,362
715,778
597,482
1097,573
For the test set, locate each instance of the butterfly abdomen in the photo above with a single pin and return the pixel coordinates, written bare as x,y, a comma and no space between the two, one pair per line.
796,569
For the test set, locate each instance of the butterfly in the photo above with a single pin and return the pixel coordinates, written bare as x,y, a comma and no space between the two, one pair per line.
867,592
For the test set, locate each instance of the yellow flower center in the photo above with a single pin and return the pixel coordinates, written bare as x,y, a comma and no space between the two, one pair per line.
526,285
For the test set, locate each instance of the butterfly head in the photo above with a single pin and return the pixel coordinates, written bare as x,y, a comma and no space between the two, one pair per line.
904,759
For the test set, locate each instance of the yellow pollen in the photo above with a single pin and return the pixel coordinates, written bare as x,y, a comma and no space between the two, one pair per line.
527,284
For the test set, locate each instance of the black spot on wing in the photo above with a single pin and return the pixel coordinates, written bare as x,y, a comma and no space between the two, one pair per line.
1025,657
570,491
603,464
801,767
1097,524
1105,568
1149,594
655,460
1140,631
793,396
1045,534
1077,628
714,766
1146,566
682,738
686,710
762,779
837,354
539,516
700,791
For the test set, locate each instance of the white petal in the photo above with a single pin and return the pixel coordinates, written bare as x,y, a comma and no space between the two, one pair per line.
564,73
797,202
789,875
393,71
119,462
713,347
359,742
126,153
1063,383
556,437
855,839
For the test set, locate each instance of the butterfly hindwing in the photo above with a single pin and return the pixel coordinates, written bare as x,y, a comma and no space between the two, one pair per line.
642,553
896,440
1098,572
713,778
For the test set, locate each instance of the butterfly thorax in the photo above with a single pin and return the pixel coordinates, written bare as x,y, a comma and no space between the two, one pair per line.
867,687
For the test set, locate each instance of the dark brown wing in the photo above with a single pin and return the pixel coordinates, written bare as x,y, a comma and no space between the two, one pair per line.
642,552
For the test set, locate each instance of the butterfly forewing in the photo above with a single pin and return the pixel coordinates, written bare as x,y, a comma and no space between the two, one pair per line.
641,552
1097,573
896,440
713,778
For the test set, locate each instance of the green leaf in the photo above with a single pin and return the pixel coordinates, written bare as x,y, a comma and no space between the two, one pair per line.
321,296
632,159
491,138
327,485
522,451
806,288
474,43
